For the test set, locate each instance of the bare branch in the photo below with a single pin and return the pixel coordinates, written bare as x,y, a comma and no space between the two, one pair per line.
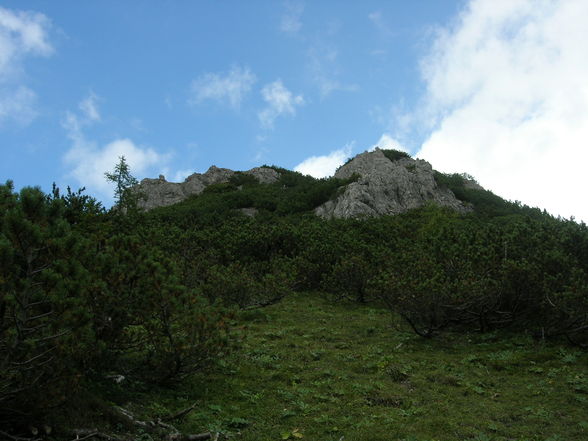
180,414
192,437
17,438
81,434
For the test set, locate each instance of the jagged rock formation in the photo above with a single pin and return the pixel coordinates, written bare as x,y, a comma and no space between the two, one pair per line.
160,193
387,187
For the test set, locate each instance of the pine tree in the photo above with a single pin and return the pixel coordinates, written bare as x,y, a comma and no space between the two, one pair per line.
124,195
43,322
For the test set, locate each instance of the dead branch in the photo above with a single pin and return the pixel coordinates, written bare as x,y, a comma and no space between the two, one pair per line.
83,434
193,437
132,419
17,438
180,414
174,434
30,360
89,435
40,316
51,337
265,303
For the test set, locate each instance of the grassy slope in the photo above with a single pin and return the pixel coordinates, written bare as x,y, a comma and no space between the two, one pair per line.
347,370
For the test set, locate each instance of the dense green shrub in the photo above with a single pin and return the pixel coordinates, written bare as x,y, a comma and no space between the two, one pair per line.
394,155
86,293
83,294
465,272
247,286
45,337
504,265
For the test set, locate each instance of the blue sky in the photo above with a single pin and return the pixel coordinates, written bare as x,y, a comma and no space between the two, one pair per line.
495,88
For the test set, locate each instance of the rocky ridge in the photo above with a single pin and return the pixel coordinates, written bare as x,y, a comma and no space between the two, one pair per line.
387,186
388,183
160,193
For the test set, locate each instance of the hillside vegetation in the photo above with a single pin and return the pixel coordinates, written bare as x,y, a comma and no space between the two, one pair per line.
281,325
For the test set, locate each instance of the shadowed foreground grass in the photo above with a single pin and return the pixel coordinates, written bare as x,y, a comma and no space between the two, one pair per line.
315,370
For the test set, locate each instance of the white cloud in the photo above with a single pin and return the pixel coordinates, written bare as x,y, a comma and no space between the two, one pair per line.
375,17
507,98
386,142
324,71
18,105
280,101
89,106
21,34
229,89
290,22
88,161
181,175
379,53
379,22
326,165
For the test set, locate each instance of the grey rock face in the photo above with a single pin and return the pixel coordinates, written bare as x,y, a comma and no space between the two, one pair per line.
264,175
472,185
161,193
386,187
249,211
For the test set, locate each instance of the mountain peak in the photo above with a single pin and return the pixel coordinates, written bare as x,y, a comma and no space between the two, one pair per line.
390,182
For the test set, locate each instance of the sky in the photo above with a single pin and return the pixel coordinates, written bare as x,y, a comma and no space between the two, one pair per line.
494,88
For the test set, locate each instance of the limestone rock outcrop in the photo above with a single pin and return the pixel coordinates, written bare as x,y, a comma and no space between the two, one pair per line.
386,187
160,193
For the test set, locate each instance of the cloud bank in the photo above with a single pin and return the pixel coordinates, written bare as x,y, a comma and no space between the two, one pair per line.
507,97
22,34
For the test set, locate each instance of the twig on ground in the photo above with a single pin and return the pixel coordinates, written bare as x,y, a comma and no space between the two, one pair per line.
175,434
180,414
17,438
83,434
192,437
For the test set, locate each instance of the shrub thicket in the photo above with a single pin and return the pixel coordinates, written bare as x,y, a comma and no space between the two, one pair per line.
504,265
82,296
86,293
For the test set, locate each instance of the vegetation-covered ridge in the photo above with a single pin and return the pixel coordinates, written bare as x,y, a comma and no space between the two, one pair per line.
372,183
113,321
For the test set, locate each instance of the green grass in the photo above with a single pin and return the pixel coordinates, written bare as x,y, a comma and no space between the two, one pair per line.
311,369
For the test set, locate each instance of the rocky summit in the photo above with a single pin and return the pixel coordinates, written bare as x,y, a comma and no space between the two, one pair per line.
160,193
387,184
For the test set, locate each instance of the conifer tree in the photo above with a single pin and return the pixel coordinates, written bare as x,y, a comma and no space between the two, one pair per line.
124,196
43,324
